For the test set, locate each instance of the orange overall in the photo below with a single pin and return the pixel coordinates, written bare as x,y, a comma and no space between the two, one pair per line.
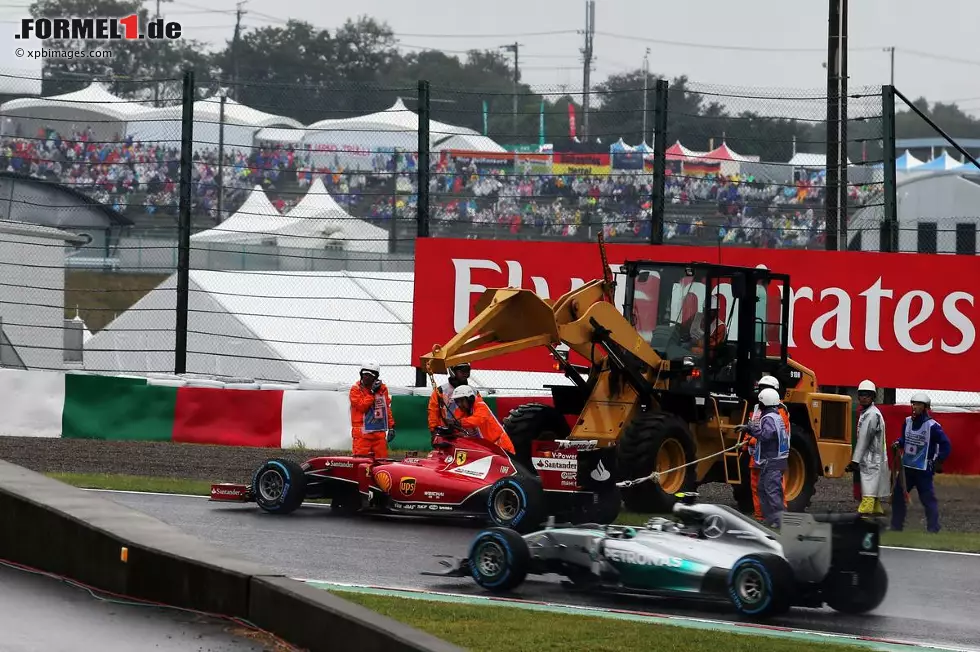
437,413
486,425
370,420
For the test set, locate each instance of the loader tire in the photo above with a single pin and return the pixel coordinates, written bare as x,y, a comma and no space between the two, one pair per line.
803,469
656,441
533,422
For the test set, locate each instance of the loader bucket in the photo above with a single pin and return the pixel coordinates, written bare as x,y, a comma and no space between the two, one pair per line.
508,320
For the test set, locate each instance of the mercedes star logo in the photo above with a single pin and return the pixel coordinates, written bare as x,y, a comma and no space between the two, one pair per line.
714,526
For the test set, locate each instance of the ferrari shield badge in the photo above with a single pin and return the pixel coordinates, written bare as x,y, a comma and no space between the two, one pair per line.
407,486
460,458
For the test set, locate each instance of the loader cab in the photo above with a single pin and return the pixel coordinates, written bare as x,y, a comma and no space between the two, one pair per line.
719,326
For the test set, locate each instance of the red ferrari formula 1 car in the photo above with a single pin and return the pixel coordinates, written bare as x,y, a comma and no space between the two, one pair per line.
463,476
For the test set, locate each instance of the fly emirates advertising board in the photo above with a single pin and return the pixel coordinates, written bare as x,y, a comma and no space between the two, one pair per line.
905,320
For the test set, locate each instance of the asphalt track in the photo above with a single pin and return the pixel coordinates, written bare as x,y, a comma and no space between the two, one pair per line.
932,596
42,613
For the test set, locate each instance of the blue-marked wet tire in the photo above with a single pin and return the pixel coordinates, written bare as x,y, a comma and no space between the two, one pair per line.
279,486
499,559
761,585
516,502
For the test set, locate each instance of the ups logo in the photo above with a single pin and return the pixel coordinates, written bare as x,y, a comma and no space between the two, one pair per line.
407,486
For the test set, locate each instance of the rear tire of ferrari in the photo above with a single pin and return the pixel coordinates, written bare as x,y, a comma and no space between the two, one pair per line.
499,559
761,585
533,422
517,503
848,599
279,486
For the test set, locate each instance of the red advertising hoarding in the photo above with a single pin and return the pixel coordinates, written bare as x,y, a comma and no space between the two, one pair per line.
903,320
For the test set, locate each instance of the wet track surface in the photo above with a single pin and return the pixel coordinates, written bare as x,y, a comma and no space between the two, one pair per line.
932,597
42,613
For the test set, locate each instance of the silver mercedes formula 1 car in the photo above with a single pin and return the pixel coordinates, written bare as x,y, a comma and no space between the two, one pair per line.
711,552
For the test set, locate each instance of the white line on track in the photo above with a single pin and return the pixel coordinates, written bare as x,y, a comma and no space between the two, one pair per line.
321,505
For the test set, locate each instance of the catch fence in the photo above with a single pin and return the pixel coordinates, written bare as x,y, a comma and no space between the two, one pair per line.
321,192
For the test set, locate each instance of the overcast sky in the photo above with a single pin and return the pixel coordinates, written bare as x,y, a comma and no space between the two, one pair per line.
713,40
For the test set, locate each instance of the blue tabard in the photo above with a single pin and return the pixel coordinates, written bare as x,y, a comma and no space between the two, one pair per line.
376,418
782,451
917,440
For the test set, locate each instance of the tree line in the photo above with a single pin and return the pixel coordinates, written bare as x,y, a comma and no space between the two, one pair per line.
308,73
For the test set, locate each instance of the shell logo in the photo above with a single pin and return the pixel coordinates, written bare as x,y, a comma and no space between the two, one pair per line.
384,481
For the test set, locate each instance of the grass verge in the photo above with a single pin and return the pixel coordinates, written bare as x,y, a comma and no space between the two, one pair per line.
482,628
120,482
952,541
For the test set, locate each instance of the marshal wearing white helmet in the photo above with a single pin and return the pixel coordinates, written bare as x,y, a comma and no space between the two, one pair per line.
770,442
870,455
766,382
924,447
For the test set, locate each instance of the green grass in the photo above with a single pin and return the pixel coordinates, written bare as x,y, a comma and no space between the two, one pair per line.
954,541
482,628
134,483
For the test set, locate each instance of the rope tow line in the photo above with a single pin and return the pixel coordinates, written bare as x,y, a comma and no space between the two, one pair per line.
655,476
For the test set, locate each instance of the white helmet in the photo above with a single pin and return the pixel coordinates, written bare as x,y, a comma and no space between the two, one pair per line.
463,391
867,386
921,397
769,397
769,381
371,367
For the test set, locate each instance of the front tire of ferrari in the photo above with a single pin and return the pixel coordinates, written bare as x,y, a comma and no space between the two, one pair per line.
849,599
656,441
279,486
517,503
499,559
761,585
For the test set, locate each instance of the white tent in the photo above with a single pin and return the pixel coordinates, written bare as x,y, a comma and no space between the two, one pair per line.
319,214
241,123
284,135
354,142
315,223
254,222
94,98
93,106
281,327
468,143
942,162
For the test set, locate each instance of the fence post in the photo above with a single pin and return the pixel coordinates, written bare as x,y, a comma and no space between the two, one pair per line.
889,232
422,170
832,189
658,198
184,222
422,212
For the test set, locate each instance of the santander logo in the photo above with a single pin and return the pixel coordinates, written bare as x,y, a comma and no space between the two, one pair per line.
825,317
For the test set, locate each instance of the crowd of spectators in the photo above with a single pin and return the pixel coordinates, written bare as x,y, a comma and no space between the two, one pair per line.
466,201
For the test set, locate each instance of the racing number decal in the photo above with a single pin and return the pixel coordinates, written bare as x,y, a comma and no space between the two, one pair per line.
384,481
460,458
407,486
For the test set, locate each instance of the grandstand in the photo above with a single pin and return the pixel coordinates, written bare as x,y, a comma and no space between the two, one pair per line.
365,165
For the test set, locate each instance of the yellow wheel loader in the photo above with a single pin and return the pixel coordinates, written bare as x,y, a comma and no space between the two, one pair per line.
672,365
